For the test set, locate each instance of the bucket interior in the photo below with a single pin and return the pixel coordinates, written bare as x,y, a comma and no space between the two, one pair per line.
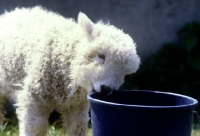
144,98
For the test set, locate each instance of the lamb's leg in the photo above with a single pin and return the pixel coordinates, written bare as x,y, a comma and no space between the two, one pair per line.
33,118
2,104
76,119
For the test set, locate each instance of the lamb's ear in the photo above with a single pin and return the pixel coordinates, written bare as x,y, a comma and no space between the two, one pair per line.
86,24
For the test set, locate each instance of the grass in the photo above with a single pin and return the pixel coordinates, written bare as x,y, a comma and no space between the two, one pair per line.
7,130
196,132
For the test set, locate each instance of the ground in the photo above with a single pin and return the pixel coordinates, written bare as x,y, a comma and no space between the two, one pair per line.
13,131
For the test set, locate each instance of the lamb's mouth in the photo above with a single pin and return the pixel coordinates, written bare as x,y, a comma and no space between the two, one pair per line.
105,90
107,93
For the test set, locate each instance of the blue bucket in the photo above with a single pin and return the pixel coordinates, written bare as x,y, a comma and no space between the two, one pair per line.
141,113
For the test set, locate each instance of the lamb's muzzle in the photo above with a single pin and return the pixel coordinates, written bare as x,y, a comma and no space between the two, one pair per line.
106,90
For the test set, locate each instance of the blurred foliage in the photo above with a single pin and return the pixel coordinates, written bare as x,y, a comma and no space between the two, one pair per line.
174,68
10,130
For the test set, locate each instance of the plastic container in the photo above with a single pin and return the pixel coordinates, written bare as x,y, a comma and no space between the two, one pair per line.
141,113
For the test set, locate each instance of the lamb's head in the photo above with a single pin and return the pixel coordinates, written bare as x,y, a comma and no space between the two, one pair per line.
104,58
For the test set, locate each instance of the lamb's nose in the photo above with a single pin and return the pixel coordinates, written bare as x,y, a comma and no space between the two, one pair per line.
106,90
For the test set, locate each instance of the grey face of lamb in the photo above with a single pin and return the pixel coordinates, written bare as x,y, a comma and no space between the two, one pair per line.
109,56
109,72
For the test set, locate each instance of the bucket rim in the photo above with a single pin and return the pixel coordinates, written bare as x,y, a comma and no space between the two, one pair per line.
194,102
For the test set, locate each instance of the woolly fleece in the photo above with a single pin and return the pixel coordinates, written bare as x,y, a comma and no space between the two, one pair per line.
51,62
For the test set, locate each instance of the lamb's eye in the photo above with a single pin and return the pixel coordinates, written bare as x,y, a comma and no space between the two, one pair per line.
101,56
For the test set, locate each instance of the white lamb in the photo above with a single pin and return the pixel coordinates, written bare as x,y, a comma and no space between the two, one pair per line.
49,62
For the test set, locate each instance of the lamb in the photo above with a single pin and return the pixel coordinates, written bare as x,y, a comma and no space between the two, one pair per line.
50,62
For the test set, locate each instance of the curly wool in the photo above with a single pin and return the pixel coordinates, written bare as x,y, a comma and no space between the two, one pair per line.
43,51
48,62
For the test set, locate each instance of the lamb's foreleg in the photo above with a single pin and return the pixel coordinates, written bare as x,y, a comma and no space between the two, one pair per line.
76,119
33,118
2,104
